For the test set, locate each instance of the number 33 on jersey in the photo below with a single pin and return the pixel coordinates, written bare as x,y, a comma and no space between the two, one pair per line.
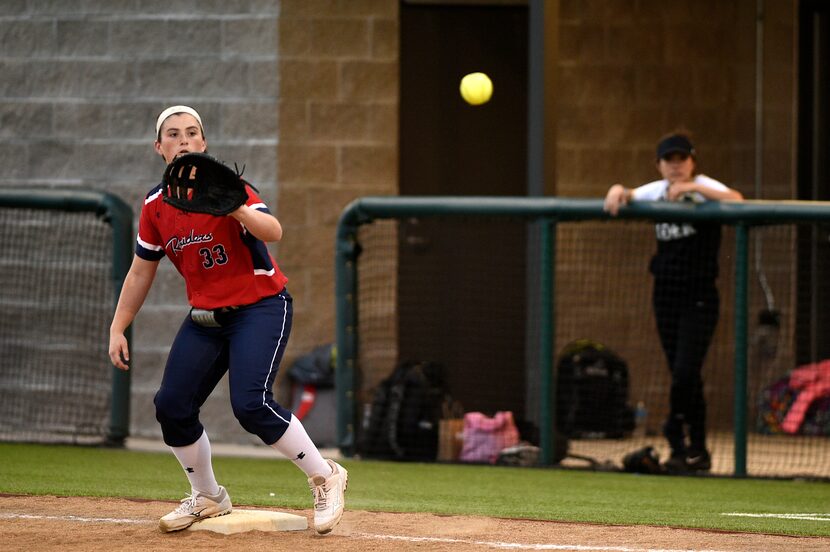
199,245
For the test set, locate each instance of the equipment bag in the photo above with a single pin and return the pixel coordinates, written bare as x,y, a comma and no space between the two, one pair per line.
402,421
592,392
485,437
776,401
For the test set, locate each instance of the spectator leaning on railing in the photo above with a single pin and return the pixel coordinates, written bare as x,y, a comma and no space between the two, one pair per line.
685,297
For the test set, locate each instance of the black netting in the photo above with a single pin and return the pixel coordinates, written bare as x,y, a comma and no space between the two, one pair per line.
453,291
56,299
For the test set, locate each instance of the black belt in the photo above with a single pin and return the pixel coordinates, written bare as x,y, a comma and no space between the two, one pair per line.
207,318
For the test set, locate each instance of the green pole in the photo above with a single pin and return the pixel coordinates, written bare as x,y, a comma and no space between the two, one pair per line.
546,328
741,272
347,251
120,217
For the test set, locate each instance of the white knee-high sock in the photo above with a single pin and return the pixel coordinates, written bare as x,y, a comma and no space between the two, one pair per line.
196,462
296,445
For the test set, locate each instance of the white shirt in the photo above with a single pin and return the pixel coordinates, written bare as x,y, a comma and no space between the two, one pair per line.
657,190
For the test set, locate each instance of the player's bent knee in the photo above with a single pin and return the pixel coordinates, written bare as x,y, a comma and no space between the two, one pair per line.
179,426
261,419
250,414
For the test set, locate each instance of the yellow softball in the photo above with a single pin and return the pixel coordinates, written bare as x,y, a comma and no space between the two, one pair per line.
476,88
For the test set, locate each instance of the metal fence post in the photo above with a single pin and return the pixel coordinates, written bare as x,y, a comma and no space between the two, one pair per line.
547,423
120,217
740,406
346,252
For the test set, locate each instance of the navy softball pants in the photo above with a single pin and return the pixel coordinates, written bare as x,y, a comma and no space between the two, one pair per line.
248,346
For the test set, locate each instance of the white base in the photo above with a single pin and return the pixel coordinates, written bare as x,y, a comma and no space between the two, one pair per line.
240,521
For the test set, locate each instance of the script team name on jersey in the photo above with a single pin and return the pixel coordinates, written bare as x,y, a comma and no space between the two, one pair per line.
176,243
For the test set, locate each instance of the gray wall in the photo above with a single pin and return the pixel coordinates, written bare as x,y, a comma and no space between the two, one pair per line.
82,83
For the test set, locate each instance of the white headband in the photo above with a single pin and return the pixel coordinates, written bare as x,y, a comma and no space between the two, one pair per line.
177,109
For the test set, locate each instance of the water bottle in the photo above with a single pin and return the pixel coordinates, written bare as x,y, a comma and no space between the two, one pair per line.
640,417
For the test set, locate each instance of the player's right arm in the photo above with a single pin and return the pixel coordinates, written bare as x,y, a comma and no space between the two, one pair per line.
133,293
617,196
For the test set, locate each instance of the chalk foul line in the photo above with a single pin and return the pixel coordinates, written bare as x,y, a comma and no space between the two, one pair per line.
74,518
808,517
525,546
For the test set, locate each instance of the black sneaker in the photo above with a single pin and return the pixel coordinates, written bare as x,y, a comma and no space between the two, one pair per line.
676,464
698,460
684,463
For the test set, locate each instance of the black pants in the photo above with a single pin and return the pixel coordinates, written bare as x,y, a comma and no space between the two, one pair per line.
686,314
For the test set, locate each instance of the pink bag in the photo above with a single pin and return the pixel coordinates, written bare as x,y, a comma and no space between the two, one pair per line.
485,437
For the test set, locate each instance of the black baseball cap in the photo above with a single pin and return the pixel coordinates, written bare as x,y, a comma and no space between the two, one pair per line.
676,143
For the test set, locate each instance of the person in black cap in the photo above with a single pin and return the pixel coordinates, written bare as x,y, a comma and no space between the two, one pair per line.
685,296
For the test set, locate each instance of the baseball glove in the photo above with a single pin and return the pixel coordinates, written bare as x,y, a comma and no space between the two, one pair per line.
645,460
200,183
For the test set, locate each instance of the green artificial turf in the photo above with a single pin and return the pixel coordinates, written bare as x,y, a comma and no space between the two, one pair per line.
545,494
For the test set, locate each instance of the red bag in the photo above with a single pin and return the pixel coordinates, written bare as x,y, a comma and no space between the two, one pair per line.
485,437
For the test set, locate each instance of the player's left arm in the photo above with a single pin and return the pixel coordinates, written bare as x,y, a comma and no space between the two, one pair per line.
712,193
262,225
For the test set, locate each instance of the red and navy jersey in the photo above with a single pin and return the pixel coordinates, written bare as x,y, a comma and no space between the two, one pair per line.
222,263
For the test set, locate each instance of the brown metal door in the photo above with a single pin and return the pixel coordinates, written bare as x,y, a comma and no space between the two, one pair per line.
461,287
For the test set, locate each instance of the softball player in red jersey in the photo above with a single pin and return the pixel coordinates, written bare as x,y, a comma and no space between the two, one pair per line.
239,324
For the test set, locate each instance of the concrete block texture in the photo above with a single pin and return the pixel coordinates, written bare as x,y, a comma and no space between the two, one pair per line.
338,109
328,8
81,37
83,83
248,38
25,119
13,7
340,38
369,81
339,122
83,86
28,38
630,71
307,163
308,80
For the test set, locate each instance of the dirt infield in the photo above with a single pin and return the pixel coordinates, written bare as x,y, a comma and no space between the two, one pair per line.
68,524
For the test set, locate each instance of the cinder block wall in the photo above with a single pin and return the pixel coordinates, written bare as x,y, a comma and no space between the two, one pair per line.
632,71
82,85
338,112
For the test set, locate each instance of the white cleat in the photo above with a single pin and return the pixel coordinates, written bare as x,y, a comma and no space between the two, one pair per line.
194,508
329,498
